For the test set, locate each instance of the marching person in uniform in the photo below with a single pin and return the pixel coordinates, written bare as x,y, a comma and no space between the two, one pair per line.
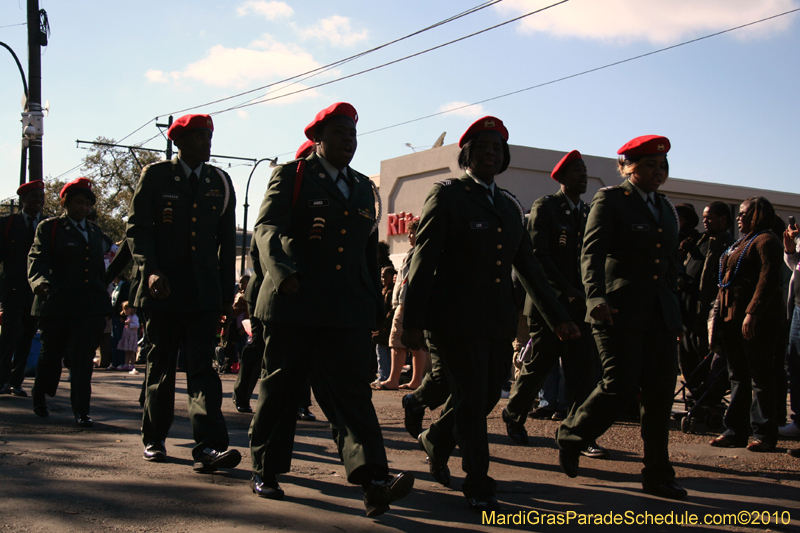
470,234
181,231
319,303
630,271
19,325
66,272
556,224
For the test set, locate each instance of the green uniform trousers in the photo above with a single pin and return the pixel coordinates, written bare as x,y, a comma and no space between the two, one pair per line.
578,359
337,362
476,369
633,361
195,333
250,362
434,389
16,337
74,340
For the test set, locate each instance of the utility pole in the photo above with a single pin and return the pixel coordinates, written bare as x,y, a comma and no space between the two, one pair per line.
168,125
33,118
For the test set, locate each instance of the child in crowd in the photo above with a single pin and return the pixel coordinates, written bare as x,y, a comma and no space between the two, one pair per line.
130,337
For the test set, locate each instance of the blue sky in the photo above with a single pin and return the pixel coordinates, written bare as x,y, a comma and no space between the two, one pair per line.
728,104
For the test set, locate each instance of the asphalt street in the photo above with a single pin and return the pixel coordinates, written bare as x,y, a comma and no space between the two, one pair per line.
56,477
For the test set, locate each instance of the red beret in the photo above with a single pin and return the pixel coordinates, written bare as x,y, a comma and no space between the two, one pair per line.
80,183
305,150
484,124
645,145
566,160
187,123
339,108
34,185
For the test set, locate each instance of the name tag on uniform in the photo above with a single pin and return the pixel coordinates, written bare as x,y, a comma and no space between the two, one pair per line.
323,202
214,192
70,243
640,227
170,196
479,225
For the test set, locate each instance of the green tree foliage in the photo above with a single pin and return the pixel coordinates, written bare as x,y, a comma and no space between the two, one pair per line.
114,173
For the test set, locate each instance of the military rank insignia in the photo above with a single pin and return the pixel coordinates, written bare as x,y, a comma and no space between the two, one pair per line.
214,193
317,227
365,213
166,215
562,239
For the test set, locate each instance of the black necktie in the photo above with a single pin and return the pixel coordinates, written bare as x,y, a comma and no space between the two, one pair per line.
576,215
193,181
31,227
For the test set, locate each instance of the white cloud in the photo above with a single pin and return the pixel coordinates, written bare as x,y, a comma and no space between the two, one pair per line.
661,22
473,111
269,10
335,30
242,114
265,59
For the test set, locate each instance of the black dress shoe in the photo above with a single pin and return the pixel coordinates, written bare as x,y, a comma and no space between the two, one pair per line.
569,462
18,391
515,430
378,494
84,421
439,472
413,417
484,502
304,414
594,451
242,407
155,451
210,460
665,489
5,388
41,410
267,487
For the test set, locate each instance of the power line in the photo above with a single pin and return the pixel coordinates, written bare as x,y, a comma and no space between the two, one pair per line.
11,25
323,68
609,65
259,101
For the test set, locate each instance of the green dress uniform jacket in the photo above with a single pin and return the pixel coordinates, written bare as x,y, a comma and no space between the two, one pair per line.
170,227
15,243
630,258
460,276
327,240
73,267
557,235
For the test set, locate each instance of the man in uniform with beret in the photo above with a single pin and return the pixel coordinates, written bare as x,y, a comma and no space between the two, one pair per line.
630,270
19,326
556,225
181,231
470,235
319,303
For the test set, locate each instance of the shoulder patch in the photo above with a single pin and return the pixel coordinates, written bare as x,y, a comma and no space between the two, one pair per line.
609,188
444,183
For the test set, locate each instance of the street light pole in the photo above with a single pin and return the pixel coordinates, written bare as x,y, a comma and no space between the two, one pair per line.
272,162
22,170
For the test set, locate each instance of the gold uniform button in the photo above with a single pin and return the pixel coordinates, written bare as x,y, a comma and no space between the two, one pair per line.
214,207
658,245
193,247
193,234
658,261
499,230
660,230
86,270
341,249
194,205
346,213
87,258
655,277
169,203
499,263
338,267
194,219
497,280
343,231
499,246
